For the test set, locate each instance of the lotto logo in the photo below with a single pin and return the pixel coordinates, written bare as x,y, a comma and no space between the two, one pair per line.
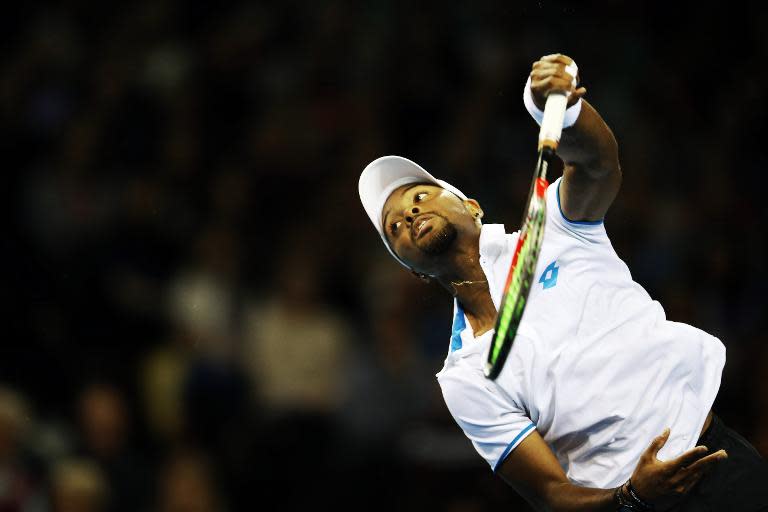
549,276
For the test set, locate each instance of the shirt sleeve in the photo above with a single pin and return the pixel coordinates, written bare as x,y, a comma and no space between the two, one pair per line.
588,231
493,423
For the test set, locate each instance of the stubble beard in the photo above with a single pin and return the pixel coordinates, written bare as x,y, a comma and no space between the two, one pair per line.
440,241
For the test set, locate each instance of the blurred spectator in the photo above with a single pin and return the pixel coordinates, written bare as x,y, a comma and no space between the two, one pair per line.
203,296
79,486
198,373
390,385
20,490
104,422
296,354
295,343
162,379
187,485
105,436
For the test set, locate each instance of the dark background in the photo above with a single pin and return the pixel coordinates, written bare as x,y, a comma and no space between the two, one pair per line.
200,316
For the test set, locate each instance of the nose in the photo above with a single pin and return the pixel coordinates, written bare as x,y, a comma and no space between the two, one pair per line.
409,213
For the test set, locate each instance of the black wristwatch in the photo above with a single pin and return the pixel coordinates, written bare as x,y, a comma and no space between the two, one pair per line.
626,499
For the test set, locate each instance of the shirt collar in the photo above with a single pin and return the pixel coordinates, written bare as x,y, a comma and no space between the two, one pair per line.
459,324
493,243
492,240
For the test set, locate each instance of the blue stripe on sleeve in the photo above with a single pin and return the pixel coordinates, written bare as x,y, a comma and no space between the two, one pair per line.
583,222
511,445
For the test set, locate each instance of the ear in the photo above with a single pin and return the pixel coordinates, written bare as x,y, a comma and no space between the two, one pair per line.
423,277
473,207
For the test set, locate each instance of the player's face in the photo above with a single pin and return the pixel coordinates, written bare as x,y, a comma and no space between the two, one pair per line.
424,222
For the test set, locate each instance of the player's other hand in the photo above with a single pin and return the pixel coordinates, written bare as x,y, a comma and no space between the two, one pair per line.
664,483
548,74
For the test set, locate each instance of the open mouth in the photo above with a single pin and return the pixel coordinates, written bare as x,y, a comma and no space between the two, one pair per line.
421,227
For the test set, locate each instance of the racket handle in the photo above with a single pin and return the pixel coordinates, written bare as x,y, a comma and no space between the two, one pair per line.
552,124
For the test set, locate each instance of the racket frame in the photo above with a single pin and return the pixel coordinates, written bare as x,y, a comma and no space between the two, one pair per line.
526,255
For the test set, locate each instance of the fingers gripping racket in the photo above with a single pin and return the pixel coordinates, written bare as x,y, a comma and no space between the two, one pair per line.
521,272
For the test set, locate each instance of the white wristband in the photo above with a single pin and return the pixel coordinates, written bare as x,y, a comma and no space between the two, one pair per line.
571,114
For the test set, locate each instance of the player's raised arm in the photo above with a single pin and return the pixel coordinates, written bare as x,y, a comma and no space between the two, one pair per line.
592,174
535,473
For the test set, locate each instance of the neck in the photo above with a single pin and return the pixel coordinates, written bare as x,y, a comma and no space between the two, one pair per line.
466,281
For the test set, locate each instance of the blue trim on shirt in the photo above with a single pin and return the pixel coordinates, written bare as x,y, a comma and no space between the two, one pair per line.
459,324
510,445
586,222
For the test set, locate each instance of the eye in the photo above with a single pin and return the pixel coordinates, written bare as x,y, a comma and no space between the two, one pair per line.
420,197
394,227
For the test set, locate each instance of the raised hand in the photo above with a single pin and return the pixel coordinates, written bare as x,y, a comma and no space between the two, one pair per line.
549,74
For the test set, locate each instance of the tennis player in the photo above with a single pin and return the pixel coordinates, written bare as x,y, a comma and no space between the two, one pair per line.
602,404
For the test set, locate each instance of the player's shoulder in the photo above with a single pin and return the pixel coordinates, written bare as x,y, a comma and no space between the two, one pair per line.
558,223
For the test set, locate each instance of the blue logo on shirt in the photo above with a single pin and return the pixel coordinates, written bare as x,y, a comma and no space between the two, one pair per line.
549,276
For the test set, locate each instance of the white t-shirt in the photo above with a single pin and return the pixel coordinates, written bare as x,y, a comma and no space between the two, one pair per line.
596,367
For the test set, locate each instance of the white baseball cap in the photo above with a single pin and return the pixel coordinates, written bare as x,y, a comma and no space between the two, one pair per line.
382,177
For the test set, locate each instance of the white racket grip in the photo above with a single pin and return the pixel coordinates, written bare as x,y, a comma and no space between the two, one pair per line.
552,124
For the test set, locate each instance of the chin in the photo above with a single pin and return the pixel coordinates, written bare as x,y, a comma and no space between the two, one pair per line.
439,240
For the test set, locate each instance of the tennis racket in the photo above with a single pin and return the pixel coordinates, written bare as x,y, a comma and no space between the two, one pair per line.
521,272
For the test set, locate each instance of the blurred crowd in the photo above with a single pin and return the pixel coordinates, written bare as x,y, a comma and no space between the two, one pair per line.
201,318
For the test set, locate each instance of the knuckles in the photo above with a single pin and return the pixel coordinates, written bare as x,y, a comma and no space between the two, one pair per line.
559,72
549,73
557,57
554,81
